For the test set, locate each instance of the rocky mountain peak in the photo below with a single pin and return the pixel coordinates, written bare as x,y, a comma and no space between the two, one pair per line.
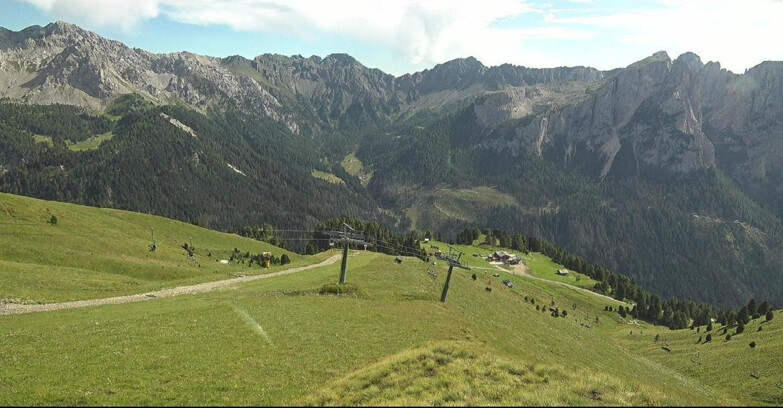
64,28
342,59
691,60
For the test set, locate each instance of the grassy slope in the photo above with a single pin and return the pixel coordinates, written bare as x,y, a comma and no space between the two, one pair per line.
328,177
91,143
278,341
540,265
92,253
432,208
725,364
44,139
354,167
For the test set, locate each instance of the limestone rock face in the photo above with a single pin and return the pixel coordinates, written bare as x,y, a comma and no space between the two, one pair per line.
62,63
654,115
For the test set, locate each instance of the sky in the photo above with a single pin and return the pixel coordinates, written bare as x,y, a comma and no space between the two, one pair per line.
405,36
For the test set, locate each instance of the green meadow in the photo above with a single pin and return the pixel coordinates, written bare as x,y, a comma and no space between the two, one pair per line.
386,339
94,252
91,143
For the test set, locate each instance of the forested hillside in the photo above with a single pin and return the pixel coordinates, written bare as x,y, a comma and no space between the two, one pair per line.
225,171
667,170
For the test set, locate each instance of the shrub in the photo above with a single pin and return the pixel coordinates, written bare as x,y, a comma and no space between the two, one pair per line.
708,338
759,329
752,344
53,220
565,313
770,315
740,327
728,337
284,259
347,289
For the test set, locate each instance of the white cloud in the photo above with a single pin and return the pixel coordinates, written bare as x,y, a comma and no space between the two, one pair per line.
574,32
122,13
738,34
422,32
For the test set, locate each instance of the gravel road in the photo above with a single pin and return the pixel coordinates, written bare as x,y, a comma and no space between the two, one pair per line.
13,309
522,270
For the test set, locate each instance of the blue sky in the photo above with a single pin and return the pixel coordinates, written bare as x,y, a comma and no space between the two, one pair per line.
406,36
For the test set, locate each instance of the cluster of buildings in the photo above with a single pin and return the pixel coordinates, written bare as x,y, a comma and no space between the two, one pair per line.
504,257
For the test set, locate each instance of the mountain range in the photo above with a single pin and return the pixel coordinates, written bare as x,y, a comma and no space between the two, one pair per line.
669,171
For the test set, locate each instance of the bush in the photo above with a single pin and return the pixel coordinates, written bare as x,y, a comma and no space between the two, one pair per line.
53,220
728,337
752,344
708,339
740,327
564,313
770,315
284,259
759,329
347,289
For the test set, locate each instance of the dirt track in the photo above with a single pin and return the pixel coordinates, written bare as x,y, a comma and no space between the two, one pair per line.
521,270
12,309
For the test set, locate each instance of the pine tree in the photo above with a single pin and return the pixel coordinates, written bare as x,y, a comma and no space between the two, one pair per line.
764,308
770,315
752,307
743,315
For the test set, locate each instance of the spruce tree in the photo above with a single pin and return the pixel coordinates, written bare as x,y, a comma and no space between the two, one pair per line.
764,308
743,315
752,307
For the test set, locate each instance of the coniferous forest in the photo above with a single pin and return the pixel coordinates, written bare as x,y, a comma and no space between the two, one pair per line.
691,237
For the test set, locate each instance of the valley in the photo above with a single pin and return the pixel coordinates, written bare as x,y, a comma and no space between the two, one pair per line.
614,165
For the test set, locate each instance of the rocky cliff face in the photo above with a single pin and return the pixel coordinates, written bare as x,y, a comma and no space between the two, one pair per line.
656,114
647,115
61,63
